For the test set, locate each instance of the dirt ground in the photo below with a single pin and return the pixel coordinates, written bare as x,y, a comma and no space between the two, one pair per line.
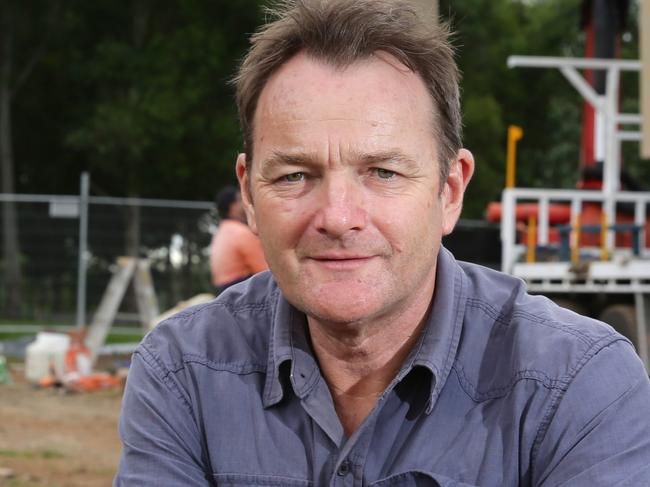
50,438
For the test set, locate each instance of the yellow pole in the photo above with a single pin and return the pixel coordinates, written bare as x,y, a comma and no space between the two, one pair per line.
604,254
531,239
575,247
515,133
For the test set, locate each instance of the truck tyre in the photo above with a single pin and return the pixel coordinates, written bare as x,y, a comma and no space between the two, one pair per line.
623,318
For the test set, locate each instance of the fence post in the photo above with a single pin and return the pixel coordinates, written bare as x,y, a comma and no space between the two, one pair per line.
83,245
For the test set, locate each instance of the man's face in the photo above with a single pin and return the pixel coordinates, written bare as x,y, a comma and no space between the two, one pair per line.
344,187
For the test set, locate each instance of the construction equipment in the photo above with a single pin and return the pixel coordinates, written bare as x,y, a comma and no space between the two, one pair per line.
602,248
587,248
128,268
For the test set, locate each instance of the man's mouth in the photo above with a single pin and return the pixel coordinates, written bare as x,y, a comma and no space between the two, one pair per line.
341,261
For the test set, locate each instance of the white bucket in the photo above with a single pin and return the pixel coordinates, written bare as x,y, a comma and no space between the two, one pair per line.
46,354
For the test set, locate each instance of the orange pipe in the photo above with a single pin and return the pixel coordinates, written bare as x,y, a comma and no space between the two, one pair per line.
557,213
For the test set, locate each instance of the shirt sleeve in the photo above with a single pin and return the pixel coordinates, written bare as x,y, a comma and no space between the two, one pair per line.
252,253
160,440
600,433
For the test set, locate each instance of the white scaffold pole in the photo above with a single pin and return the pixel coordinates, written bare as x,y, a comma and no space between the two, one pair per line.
83,246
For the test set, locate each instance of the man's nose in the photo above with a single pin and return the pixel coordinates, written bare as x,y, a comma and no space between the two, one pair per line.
341,206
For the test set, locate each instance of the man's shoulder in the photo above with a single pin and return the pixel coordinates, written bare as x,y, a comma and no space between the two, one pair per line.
233,329
518,336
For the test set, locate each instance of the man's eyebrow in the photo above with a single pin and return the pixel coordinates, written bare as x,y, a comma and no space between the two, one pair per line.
279,158
391,157
395,157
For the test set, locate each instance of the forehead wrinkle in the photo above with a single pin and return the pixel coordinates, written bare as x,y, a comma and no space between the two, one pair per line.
354,157
277,120
394,156
282,158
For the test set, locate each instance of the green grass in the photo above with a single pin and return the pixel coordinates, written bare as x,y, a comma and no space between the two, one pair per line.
19,321
25,483
13,336
135,338
10,453
50,453
46,454
114,338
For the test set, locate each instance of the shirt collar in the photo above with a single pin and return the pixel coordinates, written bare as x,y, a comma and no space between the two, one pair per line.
436,350
291,358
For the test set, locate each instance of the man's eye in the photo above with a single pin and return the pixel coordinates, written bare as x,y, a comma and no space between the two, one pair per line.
384,173
294,177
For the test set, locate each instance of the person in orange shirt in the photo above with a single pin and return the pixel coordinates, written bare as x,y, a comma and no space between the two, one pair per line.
235,251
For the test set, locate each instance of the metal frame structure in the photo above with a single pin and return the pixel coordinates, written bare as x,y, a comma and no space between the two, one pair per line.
623,272
511,250
76,207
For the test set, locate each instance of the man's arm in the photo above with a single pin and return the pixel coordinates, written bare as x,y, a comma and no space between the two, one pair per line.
600,433
161,442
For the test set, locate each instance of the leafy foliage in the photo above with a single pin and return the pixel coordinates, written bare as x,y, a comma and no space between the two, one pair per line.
540,101
140,97
137,92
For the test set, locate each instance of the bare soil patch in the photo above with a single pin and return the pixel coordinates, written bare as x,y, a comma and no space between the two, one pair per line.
56,439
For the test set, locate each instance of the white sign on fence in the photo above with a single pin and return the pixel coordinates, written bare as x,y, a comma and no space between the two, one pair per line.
64,208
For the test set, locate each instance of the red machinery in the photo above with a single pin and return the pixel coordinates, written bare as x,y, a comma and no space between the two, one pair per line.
589,247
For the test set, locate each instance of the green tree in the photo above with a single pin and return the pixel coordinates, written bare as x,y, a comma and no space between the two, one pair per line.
136,93
20,51
163,122
487,32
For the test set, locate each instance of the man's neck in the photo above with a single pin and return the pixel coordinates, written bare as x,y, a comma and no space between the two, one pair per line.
359,360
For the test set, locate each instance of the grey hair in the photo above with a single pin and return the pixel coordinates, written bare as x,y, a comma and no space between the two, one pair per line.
341,32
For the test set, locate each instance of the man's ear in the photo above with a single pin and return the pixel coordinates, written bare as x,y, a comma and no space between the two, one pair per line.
245,189
460,172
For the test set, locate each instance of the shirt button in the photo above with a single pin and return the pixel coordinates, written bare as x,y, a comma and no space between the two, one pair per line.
344,468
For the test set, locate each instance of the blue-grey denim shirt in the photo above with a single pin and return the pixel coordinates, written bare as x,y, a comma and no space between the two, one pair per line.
502,389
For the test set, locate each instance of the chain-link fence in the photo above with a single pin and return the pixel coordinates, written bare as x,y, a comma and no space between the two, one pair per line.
56,286
173,235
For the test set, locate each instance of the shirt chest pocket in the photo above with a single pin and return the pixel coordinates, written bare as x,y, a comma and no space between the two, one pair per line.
238,480
419,479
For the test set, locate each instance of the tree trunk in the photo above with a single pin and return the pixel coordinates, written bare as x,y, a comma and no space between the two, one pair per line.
141,11
10,245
